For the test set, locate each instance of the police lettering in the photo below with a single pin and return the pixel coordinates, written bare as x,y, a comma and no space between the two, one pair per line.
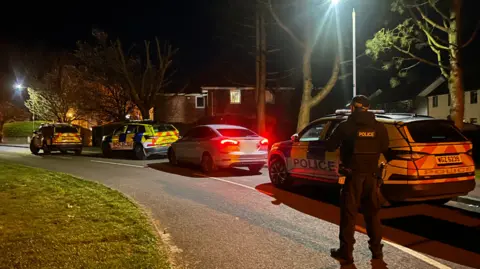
366,134
315,164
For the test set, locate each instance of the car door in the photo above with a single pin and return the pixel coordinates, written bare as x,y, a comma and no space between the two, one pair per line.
183,147
116,143
127,139
307,150
327,162
202,143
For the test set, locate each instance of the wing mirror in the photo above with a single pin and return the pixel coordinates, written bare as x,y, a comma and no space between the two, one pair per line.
294,138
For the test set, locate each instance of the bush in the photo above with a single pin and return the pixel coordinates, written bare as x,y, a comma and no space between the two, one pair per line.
19,128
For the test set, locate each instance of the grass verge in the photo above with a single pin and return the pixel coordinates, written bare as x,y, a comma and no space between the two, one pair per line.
54,220
20,128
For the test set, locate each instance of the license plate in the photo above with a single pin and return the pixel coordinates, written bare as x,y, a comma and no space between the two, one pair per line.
449,159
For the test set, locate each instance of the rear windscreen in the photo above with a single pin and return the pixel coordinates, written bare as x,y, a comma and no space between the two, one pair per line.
66,130
236,132
163,128
434,131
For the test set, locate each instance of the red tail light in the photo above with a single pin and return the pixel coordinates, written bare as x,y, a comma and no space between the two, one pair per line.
407,155
264,142
229,142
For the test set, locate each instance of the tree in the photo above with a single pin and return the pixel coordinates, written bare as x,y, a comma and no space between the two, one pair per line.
8,110
429,24
142,72
307,43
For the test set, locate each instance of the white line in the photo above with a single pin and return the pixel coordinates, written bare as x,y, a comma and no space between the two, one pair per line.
412,252
122,164
62,157
227,181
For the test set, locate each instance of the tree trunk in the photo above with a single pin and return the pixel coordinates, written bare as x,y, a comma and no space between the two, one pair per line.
304,113
455,81
145,113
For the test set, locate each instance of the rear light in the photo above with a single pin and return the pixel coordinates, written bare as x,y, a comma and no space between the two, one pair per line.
407,155
229,142
150,136
264,142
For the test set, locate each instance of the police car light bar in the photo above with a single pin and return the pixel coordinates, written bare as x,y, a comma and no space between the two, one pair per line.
347,111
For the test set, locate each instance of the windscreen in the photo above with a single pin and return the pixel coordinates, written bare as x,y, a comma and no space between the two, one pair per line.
434,131
163,128
237,132
66,130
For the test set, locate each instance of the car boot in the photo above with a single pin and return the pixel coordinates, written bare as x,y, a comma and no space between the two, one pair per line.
342,256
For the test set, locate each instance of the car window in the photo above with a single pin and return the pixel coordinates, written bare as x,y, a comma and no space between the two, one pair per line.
141,129
331,128
65,129
163,128
203,132
47,131
434,131
119,131
231,132
131,129
313,132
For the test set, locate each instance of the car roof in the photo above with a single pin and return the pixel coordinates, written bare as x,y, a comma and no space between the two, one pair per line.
392,118
223,126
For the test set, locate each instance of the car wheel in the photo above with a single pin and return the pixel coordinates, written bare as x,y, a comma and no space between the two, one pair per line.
207,164
140,153
46,149
34,150
107,150
172,157
277,171
255,168
78,152
63,151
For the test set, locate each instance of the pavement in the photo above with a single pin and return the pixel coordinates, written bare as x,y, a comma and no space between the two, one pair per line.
235,219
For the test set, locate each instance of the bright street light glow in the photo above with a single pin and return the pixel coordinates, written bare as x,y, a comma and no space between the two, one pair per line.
334,2
18,86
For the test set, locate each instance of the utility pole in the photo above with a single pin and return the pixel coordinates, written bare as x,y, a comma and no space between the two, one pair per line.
261,68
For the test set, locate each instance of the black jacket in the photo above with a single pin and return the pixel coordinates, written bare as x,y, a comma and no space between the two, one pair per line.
361,140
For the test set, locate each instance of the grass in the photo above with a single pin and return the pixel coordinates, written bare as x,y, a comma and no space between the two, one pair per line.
20,128
54,220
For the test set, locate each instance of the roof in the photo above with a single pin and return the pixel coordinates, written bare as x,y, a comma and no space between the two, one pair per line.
384,117
223,126
214,88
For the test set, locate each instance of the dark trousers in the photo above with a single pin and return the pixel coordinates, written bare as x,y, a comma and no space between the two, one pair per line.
360,190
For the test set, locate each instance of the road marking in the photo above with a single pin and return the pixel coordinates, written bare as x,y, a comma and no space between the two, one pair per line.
122,164
62,157
412,252
226,181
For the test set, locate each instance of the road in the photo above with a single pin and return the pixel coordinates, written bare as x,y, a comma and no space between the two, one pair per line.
238,220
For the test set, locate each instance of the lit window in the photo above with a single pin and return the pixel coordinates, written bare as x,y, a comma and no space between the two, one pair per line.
435,101
473,97
235,96
269,97
200,102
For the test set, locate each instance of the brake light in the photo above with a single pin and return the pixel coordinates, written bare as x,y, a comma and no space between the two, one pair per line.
264,142
229,142
407,155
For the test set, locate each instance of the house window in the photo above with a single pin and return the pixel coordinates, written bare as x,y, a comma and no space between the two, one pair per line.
200,102
435,101
235,96
473,97
473,120
449,100
269,97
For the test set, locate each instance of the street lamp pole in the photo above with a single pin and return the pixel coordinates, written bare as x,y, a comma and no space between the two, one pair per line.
354,54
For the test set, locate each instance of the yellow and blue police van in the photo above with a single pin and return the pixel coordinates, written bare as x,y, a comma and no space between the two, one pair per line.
428,159
143,138
61,137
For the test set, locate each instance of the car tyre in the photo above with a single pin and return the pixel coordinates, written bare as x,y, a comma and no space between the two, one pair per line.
255,168
34,150
78,152
207,164
46,149
172,157
277,171
140,153
107,150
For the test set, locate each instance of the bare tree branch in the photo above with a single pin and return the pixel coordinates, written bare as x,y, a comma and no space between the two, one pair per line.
472,37
431,22
419,58
283,26
444,17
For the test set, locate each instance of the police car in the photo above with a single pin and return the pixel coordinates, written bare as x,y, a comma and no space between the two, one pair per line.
143,138
61,137
428,159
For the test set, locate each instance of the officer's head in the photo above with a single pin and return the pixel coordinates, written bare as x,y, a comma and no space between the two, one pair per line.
359,103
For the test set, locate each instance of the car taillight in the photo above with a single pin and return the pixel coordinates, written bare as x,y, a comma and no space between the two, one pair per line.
407,155
264,142
150,136
229,142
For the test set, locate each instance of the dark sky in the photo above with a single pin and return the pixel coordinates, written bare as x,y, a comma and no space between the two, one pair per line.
203,30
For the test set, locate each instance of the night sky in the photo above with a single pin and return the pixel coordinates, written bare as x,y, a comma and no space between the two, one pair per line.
202,30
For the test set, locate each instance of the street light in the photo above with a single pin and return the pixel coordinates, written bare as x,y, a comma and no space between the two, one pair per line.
335,2
20,87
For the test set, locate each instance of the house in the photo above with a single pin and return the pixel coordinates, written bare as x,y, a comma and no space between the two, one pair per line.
228,105
439,105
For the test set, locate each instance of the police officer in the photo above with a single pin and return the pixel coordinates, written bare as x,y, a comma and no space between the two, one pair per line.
361,140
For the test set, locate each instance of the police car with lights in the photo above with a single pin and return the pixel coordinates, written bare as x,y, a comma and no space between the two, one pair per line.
428,159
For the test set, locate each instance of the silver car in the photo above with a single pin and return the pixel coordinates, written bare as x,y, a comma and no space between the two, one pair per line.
220,146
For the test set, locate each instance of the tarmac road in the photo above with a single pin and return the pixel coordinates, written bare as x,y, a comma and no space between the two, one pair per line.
238,220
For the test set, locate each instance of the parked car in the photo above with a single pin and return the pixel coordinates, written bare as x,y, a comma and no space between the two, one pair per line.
428,160
56,137
220,146
141,138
